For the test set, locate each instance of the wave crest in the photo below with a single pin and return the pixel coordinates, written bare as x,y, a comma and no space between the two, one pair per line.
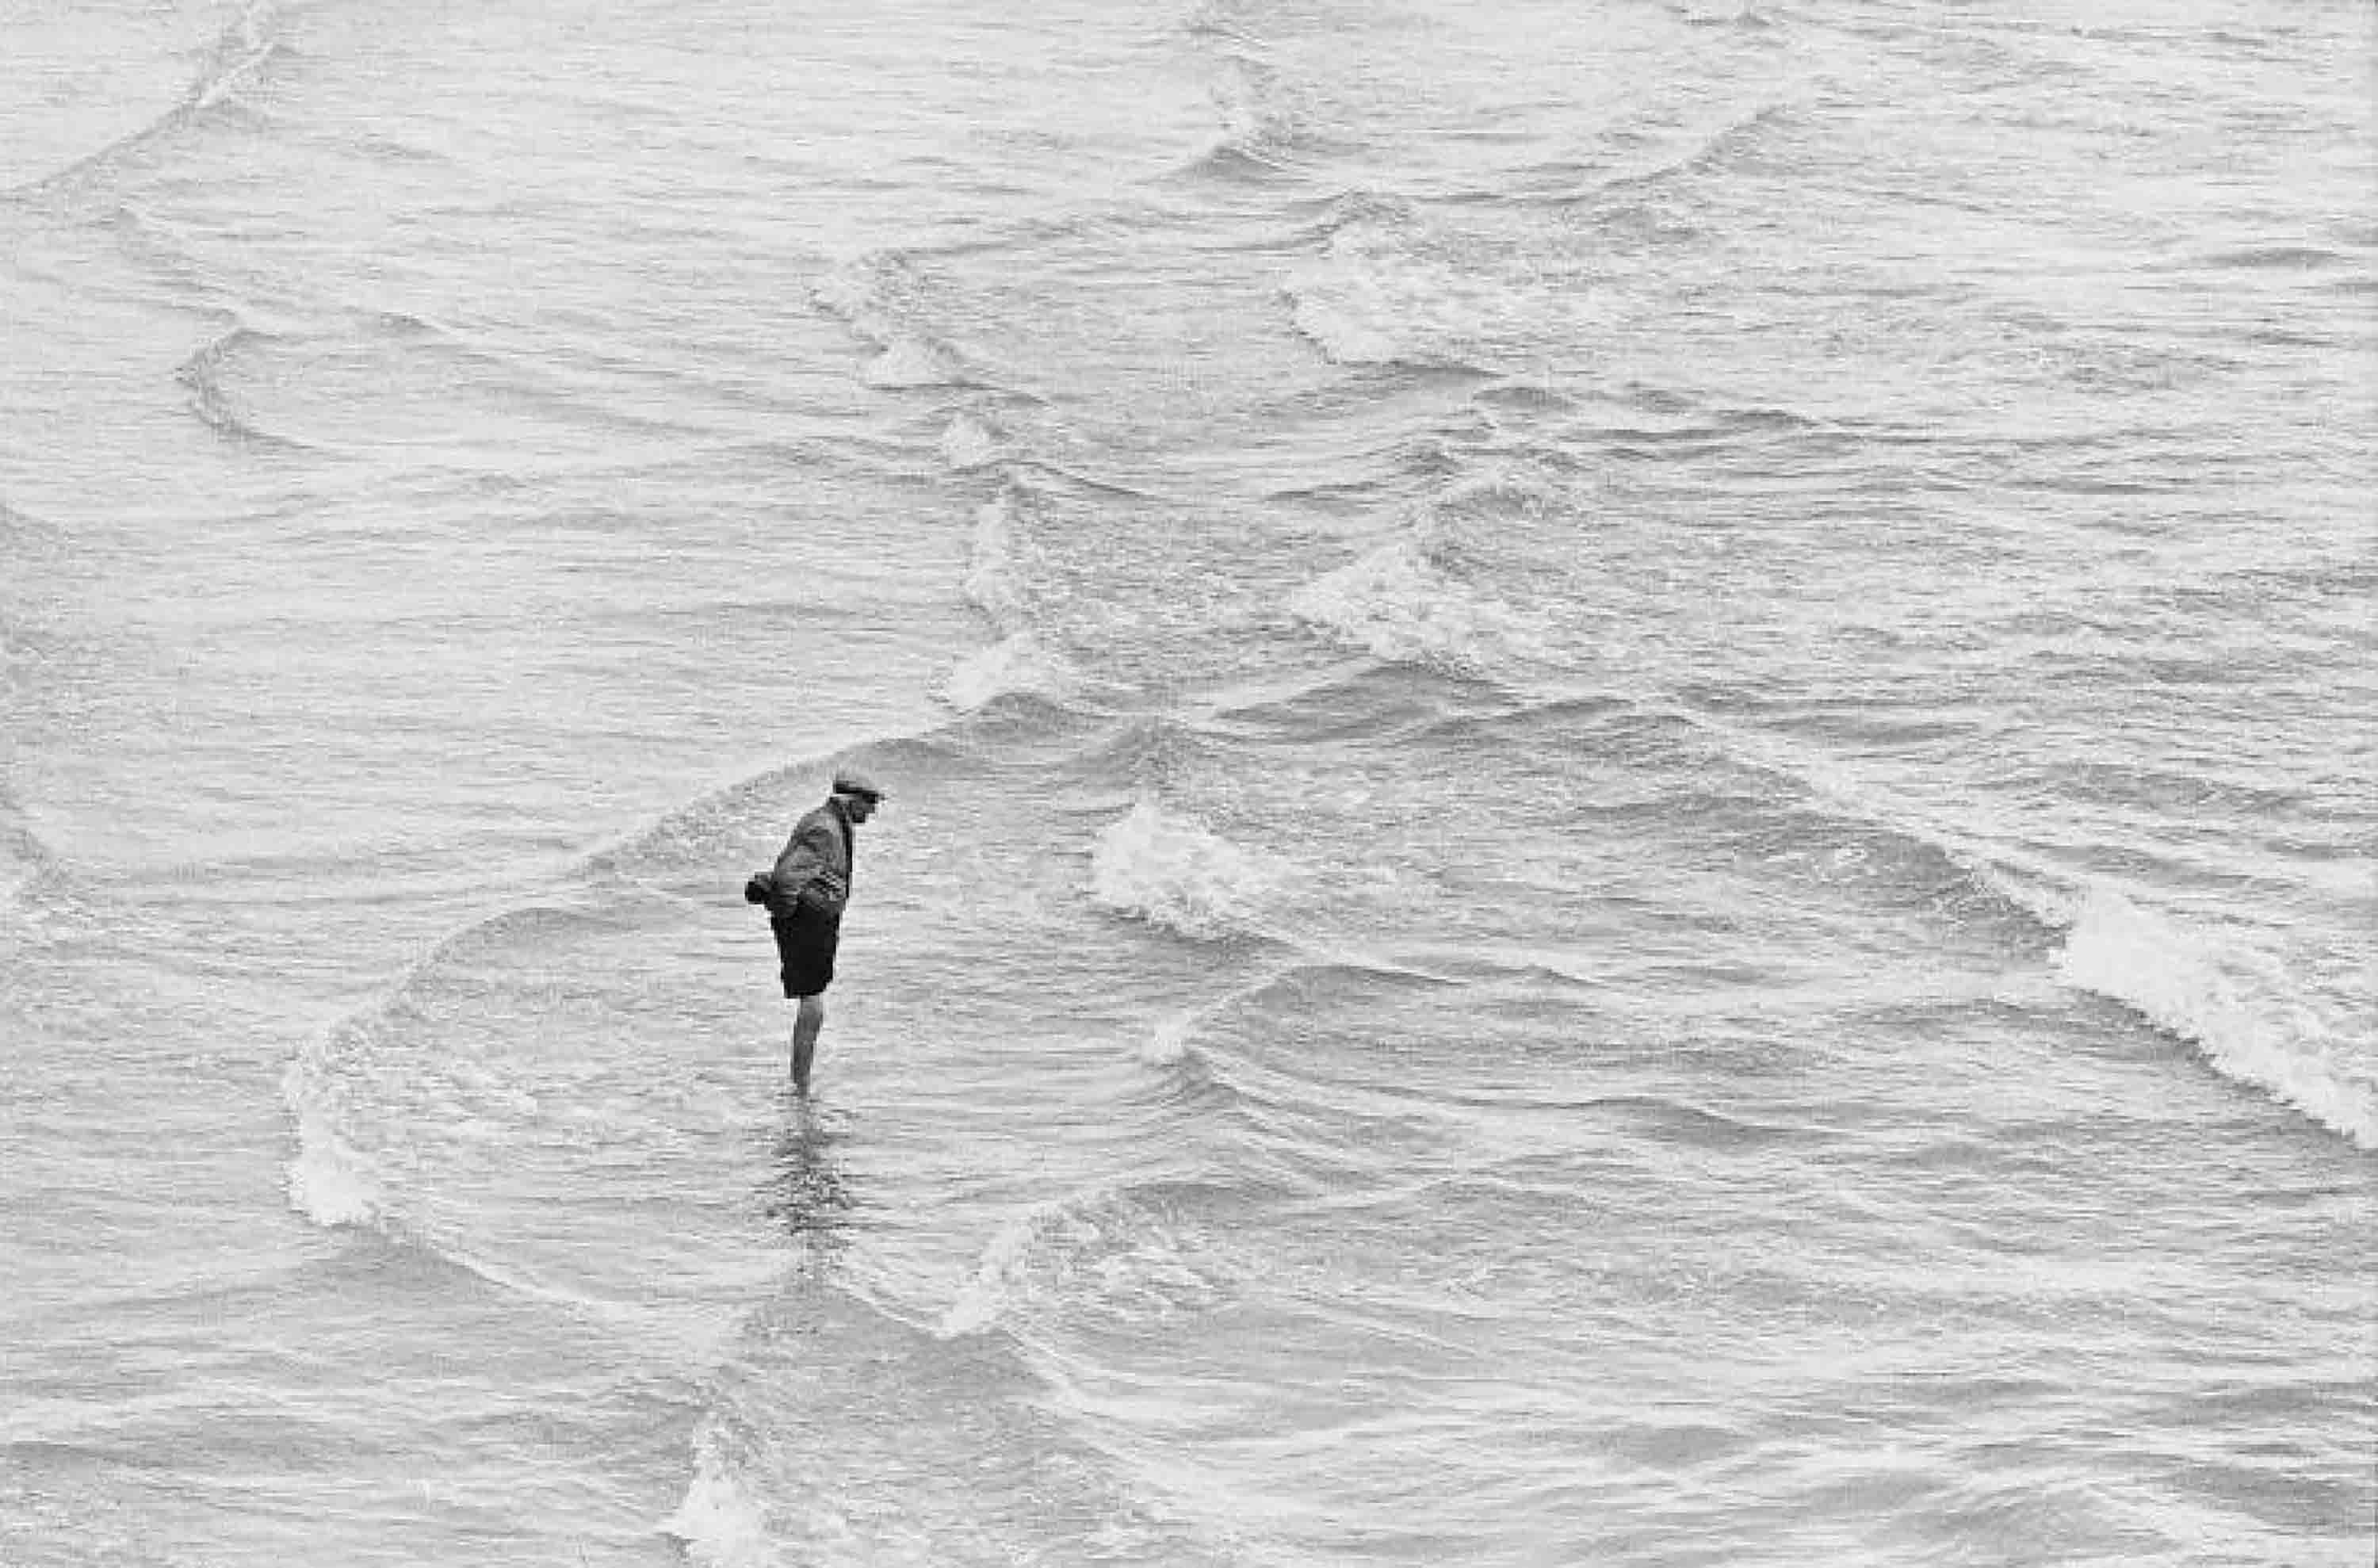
970,443
1387,292
1017,664
1019,661
1109,1252
1172,871
1397,603
878,296
2239,1006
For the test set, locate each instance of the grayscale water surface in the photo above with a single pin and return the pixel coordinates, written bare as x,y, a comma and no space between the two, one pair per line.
1631,782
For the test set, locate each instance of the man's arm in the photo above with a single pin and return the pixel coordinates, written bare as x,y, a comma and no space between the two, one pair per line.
805,872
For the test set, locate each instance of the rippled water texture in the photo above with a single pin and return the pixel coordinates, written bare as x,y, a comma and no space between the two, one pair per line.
1629,767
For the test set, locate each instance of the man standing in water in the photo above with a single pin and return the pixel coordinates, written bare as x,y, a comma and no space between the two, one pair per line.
805,892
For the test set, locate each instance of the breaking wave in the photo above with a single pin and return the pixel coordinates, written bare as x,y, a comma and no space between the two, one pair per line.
2251,1017
1015,664
1172,871
1121,1253
1386,291
1019,661
970,443
1397,603
2279,1024
879,298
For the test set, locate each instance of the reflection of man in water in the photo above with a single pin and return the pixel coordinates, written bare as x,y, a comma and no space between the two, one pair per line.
805,893
804,1190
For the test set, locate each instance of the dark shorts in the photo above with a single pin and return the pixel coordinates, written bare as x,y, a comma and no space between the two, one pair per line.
805,943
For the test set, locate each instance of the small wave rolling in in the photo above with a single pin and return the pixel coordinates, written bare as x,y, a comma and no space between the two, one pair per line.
1628,803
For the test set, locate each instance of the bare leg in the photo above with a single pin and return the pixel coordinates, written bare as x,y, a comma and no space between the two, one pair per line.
807,1021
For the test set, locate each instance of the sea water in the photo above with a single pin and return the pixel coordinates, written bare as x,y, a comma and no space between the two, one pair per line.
1629,789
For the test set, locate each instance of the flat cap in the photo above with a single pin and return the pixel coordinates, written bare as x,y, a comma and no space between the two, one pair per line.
851,781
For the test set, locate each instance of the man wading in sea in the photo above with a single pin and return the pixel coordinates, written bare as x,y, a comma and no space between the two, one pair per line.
805,892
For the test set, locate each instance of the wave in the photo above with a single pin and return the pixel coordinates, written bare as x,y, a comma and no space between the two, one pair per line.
702,837
334,1178
995,580
328,1180
32,658
1019,663
2252,1018
20,529
1744,16
469,1116
1371,301
1127,1252
1217,18
1397,603
943,1448
239,55
1319,221
348,377
28,871
204,373
1728,145
879,298
235,62
2282,1017
1390,291
27,649
1263,140
1172,1041
720,1520
1172,871
969,442
1827,795
1358,698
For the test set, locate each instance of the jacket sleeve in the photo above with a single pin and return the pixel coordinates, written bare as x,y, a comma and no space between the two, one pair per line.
805,874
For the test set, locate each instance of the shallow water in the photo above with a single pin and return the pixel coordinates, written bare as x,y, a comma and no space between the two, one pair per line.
1629,788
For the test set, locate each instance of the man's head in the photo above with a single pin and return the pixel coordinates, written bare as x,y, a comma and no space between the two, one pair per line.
858,793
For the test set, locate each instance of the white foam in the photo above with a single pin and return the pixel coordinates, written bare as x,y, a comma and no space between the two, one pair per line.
1168,1042
1394,603
1384,295
1172,871
874,296
854,289
998,1279
325,1185
968,443
1019,661
327,1182
1344,324
1099,1252
911,360
1016,664
243,52
722,1525
993,580
2236,1003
